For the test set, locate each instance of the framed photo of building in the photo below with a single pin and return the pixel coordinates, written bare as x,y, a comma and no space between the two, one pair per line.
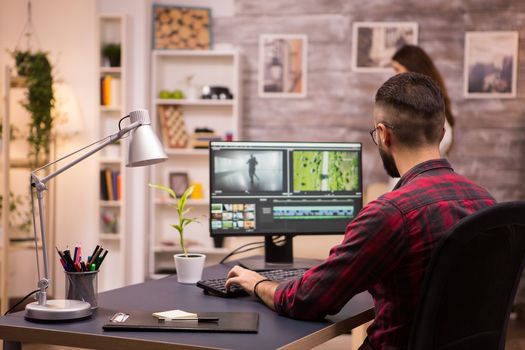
282,65
176,27
491,64
374,43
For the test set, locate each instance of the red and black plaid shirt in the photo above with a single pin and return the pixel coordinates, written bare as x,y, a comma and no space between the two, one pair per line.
386,250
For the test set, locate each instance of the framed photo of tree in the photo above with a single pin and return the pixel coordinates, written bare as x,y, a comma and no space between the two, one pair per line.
374,43
282,65
491,64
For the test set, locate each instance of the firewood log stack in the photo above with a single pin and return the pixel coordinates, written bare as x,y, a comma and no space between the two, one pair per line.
182,28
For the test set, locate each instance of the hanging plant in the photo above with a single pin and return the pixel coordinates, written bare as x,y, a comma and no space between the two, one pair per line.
35,67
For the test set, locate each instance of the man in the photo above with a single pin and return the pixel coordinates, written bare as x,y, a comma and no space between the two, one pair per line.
252,162
387,247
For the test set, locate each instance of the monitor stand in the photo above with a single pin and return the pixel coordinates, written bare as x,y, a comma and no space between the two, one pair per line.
277,256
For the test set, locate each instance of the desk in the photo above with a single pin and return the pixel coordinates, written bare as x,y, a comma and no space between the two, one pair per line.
165,294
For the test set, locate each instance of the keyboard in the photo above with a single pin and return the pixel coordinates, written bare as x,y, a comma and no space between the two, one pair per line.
216,286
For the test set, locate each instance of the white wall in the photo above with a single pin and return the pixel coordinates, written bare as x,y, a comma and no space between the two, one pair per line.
65,29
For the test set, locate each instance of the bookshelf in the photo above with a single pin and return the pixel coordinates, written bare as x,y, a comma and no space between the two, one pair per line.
111,209
189,71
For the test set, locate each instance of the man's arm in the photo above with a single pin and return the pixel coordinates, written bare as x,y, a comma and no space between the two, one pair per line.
247,279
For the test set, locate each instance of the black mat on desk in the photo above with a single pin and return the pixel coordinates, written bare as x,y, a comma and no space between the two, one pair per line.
236,322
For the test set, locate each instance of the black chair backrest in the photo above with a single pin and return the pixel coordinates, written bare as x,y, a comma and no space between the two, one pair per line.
471,282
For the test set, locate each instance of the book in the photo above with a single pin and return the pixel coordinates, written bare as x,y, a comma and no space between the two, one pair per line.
114,88
114,184
109,184
103,186
106,91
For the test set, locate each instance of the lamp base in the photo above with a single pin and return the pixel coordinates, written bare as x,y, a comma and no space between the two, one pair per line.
58,310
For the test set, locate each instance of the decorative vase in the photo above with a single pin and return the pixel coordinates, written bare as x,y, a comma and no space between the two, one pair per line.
189,268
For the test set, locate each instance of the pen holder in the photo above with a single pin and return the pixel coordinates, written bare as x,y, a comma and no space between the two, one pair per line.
82,286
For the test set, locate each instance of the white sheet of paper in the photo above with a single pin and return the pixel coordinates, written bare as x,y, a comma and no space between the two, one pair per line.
174,315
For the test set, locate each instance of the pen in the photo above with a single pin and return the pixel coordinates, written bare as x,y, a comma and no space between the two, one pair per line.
199,319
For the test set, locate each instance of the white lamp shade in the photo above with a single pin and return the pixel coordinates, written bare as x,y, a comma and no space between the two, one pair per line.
144,146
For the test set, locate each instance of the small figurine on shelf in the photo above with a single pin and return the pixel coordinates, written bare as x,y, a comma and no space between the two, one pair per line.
216,93
109,222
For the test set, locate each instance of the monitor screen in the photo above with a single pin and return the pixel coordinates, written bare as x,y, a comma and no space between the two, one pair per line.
290,188
283,189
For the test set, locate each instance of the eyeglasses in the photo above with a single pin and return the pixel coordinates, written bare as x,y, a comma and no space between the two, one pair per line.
373,132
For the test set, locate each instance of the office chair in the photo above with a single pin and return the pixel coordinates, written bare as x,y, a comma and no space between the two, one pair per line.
471,282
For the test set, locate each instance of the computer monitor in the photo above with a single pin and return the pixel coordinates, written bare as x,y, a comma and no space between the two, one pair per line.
283,189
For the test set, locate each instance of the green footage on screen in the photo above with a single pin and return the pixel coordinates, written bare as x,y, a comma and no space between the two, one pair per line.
325,171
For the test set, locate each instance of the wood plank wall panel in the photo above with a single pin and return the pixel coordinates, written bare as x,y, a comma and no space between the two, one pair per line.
489,135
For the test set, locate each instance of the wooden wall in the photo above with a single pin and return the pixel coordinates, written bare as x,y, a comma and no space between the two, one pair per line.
489,134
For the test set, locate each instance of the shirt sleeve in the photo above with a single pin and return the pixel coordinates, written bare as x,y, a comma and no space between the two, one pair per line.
373,245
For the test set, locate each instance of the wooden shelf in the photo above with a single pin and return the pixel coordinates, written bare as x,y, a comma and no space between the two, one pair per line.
187,151
202,102
110,203
110,70
109,237
110,108
115,161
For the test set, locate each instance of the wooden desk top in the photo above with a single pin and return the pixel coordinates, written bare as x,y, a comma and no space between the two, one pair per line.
165,294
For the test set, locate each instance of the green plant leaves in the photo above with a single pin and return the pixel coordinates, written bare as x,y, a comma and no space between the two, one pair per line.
182,211
40,99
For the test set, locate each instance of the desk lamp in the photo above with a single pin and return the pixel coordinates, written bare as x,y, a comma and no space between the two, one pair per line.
144,149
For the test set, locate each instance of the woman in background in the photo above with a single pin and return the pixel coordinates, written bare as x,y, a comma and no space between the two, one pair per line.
410,58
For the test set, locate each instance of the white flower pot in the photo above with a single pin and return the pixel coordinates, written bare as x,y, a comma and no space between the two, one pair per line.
189,269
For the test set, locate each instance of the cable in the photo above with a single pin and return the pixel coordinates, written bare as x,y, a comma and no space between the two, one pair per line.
238,250
21,301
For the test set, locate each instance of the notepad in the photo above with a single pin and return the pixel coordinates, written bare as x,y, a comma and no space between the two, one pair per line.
175,315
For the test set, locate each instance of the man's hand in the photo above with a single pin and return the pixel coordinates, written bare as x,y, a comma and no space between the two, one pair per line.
243,277
247,280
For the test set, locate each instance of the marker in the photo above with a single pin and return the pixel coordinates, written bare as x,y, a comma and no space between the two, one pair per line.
100,259
93,267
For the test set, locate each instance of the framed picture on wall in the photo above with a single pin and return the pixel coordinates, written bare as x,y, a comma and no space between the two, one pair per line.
491,64
282,65
178,182
374,43
176,27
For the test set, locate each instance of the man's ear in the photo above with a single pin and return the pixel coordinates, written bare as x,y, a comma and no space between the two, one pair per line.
384,134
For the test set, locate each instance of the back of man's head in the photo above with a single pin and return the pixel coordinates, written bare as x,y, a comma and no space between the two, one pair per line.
413,104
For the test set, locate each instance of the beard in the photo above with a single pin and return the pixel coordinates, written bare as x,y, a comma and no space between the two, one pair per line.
389,163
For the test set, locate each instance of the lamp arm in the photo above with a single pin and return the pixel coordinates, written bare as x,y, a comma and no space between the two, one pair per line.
110,139
40,187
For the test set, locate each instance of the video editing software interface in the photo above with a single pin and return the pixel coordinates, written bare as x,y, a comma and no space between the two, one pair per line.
260,188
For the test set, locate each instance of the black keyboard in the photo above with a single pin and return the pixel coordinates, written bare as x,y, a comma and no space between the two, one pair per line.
216,286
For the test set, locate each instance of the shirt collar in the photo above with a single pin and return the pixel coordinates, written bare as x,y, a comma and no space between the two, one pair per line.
421,168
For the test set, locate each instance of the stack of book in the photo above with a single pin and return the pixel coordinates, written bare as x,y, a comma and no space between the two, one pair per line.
110,185
202,136
110,91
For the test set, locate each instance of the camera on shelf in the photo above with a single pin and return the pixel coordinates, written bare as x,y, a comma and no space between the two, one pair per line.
212,92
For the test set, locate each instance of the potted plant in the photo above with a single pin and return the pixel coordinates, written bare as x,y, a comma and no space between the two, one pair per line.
111,51
189,266
37,71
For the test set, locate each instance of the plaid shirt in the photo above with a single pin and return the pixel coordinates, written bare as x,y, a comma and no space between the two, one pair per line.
385,250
